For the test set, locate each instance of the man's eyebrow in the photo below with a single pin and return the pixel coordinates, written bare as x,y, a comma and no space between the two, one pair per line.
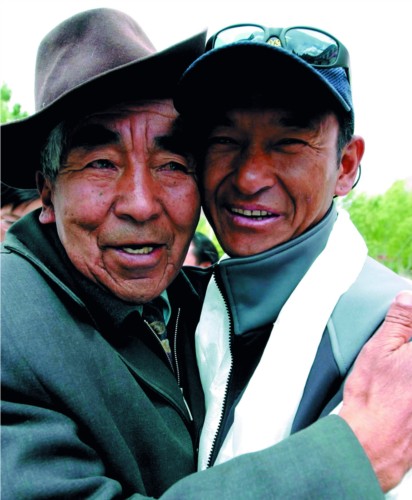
174,143
93,135
299,120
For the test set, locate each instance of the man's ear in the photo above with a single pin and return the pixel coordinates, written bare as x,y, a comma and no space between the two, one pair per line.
349,164
45,187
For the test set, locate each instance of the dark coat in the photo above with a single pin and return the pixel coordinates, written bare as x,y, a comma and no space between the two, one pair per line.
87,413
108,406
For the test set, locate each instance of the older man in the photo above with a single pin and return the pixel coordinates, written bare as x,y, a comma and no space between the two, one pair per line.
286,315
99,399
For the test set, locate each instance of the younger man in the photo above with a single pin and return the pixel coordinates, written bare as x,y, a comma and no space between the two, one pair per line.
286,315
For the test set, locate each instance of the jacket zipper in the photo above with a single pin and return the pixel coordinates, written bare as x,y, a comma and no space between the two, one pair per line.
175,349
177,365
225,395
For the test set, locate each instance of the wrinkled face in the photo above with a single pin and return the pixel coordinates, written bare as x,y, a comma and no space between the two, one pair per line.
10,214
267,179
125,202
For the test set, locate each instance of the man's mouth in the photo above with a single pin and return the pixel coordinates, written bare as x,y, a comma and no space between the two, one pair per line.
253,214
138,250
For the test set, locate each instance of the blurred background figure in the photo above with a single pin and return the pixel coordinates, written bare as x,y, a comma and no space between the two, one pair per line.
14,204
202,252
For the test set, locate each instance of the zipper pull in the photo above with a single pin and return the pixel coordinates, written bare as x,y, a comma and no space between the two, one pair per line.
187,406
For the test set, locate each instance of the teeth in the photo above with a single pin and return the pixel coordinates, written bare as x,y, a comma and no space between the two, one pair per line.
138,251
251,213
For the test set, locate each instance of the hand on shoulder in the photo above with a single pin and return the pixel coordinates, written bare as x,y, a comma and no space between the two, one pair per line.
378,395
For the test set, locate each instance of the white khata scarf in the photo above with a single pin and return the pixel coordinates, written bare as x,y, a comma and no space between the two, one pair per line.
265,413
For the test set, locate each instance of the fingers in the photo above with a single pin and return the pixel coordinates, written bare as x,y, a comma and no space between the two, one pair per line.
397,327
377,400
401,309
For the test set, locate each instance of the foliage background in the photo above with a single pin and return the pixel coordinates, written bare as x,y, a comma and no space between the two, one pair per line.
9,111
385,221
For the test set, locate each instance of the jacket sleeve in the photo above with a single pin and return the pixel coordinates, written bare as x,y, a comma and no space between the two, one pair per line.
44,453
323,461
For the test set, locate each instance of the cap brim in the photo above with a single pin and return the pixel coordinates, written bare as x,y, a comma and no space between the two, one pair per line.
219,77
153,77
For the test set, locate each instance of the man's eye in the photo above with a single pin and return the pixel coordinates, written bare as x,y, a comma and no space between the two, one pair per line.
101,164
175,166
288,145
290,142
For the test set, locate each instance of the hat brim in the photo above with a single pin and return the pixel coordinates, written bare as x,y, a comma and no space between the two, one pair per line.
155,76
223,75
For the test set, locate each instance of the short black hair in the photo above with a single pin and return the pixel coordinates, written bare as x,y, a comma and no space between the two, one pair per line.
17,196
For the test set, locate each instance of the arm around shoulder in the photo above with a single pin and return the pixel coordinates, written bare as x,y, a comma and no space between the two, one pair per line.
323,461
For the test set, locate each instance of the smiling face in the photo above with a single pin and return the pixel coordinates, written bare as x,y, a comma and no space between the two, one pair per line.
268,177
125,201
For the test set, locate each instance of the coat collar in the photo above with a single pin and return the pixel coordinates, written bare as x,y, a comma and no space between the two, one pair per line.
118,322
256,287
40,243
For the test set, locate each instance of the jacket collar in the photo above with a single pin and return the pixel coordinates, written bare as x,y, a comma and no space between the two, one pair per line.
41,244
118,322
256,287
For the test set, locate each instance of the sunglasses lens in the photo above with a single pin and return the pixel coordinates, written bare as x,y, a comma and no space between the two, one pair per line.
237,33
312,46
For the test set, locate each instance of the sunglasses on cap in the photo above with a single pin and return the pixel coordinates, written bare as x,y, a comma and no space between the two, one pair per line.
316,47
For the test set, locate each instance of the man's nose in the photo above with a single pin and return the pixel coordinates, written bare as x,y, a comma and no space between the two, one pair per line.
138,194
255,172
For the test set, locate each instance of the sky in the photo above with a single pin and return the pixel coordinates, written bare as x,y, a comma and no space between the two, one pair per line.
377,34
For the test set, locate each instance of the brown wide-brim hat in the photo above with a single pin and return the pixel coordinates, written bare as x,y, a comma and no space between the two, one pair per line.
91,61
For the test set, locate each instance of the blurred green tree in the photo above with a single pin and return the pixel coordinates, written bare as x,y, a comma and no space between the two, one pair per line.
385,222
9,112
